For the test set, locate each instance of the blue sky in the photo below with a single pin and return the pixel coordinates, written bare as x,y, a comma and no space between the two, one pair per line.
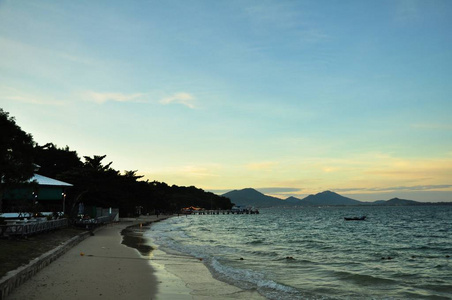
288,97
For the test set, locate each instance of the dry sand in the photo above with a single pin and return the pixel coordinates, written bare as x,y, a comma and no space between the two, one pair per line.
100,267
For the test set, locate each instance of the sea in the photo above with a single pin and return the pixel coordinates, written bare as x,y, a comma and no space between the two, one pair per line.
398,252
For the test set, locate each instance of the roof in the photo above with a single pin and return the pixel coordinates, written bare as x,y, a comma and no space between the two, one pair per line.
42,180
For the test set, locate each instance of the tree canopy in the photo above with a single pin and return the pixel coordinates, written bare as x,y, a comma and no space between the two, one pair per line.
94,181
16,153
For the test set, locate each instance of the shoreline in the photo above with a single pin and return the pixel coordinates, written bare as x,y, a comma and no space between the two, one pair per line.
99,267
120,262
181,276
184,277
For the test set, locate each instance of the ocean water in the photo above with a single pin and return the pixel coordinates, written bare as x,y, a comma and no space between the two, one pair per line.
313,253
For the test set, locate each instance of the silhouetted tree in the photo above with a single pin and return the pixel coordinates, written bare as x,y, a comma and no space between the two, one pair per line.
94,182
53,160
16,153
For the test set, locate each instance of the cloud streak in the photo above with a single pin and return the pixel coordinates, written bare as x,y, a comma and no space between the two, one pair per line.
185,99
34,100
407,11
101,98
261,166
16,95
398,188
432,126
278,190
182,98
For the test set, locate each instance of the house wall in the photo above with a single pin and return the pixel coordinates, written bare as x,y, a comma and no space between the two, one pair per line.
50,193
42,192
18,194
49,197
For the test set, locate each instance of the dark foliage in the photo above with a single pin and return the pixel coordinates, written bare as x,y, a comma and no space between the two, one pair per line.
16,154
53,160
94,182
16,151
99,184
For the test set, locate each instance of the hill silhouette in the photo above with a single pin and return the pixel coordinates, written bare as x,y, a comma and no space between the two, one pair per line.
397,201
252,197
329,198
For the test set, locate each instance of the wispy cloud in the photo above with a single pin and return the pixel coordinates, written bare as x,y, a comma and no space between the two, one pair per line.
367,173
407,10
284,16
180,98
185,99
76,58
330,169
414,169
197,171
277,14
114,97
34,100
278,190
434,187
186,171
12,94
261,165
432,126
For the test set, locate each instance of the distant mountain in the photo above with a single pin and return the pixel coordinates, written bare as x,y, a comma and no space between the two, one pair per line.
397,201
329,198
292,201
251,197
378,202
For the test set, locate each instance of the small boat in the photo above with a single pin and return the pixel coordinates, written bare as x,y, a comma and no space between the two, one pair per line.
355,218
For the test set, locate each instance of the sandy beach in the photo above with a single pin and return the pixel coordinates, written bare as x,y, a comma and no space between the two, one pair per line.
100,267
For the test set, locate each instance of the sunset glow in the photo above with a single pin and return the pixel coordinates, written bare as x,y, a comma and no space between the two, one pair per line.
288,97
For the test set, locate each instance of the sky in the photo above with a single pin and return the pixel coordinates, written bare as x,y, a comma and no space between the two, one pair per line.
288,97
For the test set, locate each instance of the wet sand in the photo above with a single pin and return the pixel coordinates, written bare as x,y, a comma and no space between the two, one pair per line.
106,266
184,277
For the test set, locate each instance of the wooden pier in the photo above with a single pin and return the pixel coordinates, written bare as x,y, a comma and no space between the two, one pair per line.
225,212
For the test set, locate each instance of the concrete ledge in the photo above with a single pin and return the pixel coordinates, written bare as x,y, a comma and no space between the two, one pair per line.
15,278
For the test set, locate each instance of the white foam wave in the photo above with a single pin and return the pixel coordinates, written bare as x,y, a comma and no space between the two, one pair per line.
249,279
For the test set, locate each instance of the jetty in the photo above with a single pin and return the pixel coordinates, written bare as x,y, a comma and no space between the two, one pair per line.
233,211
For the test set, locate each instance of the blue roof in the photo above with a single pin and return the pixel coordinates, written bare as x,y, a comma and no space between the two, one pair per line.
42,180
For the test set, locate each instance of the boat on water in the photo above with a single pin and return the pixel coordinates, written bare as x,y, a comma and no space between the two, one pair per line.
355,218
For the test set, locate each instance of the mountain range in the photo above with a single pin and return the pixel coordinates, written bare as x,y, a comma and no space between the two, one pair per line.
251,197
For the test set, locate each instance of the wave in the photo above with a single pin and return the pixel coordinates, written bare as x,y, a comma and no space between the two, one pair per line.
248,279
329,261
363,279
256,242
443,288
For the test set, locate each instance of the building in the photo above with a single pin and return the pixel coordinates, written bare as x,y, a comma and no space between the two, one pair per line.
44,193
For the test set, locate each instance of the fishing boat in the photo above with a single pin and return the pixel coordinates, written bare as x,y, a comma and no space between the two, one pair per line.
355,218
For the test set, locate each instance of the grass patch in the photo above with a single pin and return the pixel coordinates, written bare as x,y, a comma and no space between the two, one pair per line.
16,252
